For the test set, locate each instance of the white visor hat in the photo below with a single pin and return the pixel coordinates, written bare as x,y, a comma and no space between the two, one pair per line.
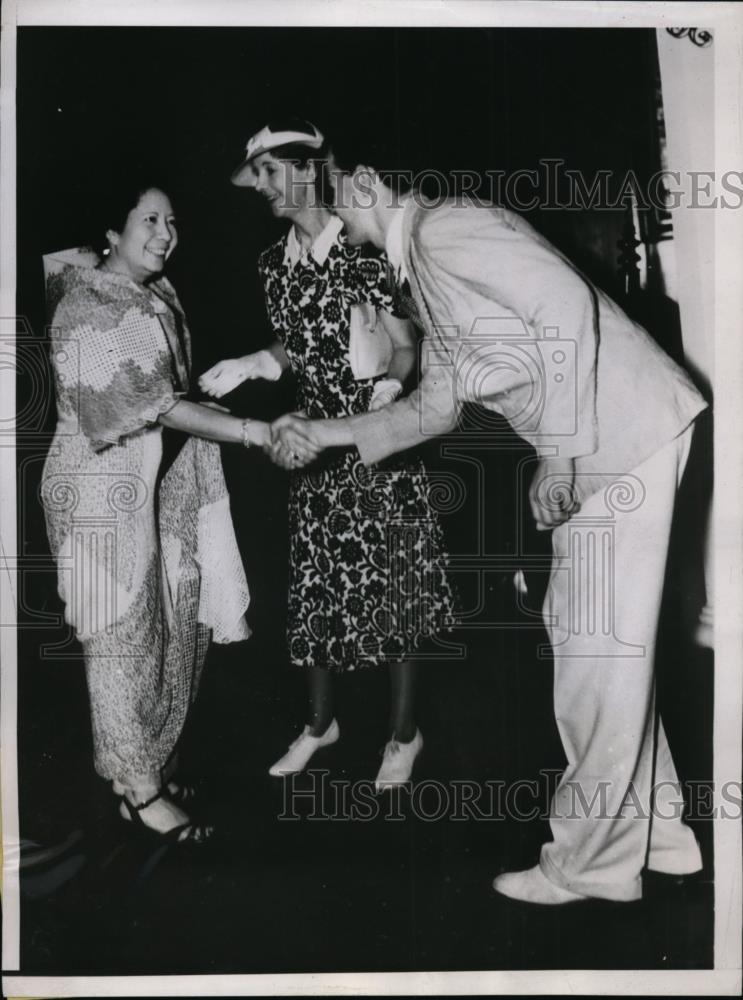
266,140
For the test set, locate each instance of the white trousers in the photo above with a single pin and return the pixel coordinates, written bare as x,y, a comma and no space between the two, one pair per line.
618,806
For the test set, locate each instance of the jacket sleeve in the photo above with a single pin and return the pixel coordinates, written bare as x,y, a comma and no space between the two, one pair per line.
496,291
525,321
428,412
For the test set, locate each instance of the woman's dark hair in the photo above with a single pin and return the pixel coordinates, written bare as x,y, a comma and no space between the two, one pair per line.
112,206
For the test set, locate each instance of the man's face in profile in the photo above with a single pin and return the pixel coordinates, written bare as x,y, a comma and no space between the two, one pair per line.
354,197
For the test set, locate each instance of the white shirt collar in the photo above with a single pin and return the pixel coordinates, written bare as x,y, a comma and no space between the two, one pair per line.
319,249
393,244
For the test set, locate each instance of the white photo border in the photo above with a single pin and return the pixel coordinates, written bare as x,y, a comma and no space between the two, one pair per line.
726,21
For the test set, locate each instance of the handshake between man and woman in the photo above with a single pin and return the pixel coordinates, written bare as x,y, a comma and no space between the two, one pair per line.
293,440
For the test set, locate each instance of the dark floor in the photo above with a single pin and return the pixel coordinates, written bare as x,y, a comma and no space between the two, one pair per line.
394,887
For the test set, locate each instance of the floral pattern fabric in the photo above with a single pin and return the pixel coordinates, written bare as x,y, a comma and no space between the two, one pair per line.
368,580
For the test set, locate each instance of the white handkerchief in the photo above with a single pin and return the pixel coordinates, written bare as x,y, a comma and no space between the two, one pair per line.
370,347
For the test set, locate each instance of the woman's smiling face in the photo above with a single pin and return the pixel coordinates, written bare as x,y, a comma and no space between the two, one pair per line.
283,184
148,238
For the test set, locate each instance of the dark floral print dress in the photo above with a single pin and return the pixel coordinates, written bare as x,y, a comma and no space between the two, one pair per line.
368,581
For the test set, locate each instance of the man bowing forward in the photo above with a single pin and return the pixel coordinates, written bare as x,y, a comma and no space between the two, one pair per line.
509,323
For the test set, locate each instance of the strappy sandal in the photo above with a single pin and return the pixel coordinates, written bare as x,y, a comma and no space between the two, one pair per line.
183,794
185,833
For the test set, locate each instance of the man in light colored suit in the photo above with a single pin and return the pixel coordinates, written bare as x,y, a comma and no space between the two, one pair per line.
509,323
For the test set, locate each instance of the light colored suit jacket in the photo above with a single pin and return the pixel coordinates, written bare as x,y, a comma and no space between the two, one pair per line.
511,324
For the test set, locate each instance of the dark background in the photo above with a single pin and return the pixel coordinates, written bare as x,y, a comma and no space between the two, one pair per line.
94,104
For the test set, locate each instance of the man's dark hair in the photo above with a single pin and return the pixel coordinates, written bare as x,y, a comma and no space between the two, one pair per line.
349,149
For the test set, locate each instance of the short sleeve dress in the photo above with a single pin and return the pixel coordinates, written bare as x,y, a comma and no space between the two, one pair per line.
368,574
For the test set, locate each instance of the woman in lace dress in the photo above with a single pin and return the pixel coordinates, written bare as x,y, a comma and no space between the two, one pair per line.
148,564
368,580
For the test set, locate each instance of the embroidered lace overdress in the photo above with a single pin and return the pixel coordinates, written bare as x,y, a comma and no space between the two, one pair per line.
148,565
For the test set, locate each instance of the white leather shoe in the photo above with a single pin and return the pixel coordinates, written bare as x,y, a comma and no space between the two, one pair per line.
300,751
533,886
397,763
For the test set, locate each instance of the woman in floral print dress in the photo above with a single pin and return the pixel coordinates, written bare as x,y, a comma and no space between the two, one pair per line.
368,577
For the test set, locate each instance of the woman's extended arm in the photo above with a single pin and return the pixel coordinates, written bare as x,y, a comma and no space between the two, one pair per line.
203,421
227,375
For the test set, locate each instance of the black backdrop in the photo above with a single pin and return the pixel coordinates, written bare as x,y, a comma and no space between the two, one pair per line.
91,102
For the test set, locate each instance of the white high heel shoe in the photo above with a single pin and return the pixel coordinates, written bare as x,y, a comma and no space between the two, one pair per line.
301,750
